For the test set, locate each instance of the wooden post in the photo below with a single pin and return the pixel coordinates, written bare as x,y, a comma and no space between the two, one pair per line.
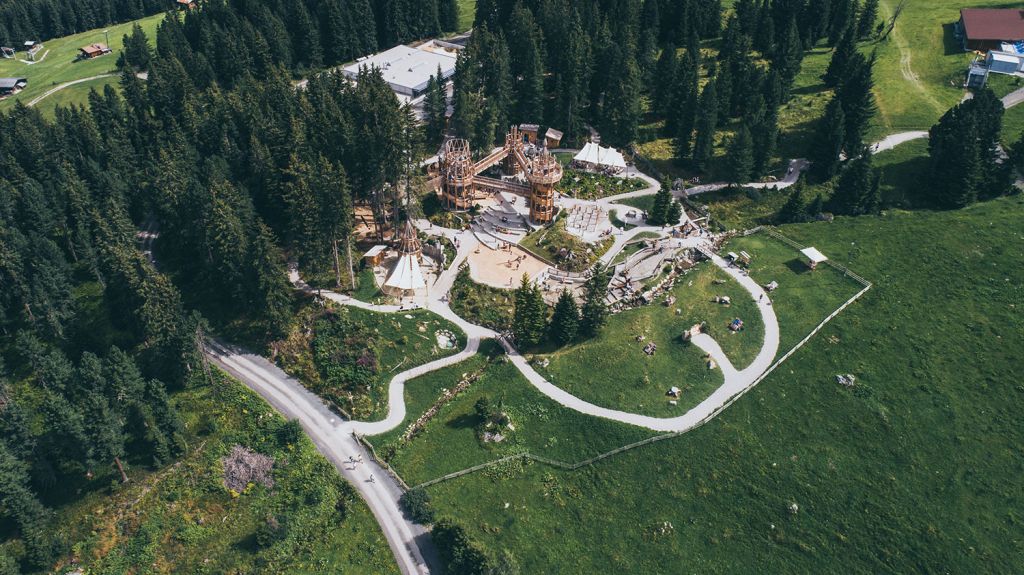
351,270
120,469
337,264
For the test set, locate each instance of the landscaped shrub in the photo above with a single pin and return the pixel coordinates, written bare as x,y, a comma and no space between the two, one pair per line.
416,505
459,554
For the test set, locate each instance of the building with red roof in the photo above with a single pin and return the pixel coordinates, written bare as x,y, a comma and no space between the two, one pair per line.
988,29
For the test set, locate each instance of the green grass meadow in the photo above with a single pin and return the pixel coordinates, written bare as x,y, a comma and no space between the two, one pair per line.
915,469
61,65
804,297
449,441
611,370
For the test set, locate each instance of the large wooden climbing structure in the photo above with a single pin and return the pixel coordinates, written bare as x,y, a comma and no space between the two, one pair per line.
460,179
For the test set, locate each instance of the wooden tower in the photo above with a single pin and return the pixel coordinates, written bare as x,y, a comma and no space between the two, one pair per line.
457,175
543,173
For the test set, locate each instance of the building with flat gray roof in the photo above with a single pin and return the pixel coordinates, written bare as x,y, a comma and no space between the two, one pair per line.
408,69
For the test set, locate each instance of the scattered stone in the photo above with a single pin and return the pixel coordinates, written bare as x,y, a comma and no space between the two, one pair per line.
446,340
794,508
846,379
243,466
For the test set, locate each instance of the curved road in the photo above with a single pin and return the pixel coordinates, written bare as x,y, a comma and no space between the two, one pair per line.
410,543
60,87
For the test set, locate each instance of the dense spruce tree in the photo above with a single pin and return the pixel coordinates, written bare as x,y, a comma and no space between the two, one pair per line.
622,109
30,516
674,213
448,14
594,312
795,208
435,106
764,122
565,321
858,191
306,46
663,90
572,77
788,56
842,56
529,317
816,207
740,156
707,126
868,18
658,216
498,84
965,154
458,553
988,110
827,143
527,66
843,15
136,53
856,95
723,92
684,108
271,294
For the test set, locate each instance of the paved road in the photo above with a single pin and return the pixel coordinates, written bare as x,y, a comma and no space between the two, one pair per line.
893,140
333,437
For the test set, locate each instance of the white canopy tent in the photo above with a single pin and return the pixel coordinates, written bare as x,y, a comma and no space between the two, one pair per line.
595,155
814,257
406,276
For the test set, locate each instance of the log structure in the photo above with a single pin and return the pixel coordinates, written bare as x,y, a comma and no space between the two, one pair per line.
460,178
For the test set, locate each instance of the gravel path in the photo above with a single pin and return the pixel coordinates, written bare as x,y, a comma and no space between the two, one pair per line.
60,87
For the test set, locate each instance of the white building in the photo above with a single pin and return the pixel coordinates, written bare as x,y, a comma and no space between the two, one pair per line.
408,69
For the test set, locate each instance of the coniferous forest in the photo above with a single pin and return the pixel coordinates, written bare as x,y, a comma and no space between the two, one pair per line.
233,164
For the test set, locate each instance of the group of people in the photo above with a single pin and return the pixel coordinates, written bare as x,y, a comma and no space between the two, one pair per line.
356,460
517,261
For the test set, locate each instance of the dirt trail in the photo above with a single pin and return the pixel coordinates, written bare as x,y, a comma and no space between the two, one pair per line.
906,67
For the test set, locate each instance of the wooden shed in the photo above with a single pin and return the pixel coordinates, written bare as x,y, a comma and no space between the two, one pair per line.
93,51
529,132
375,256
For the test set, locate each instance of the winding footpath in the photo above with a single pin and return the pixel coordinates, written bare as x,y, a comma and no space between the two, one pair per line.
1010,100
336,437
60,87
735,381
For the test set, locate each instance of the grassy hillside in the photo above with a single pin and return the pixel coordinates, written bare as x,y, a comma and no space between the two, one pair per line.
467,12
915,469
450,440
60,64
182,519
